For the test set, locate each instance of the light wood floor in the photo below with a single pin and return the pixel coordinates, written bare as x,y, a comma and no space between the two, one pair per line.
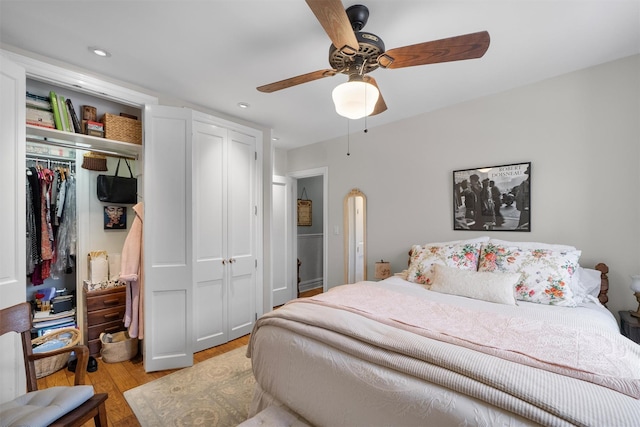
116,378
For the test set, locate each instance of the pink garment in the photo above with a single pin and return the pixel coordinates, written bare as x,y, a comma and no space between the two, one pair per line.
131,272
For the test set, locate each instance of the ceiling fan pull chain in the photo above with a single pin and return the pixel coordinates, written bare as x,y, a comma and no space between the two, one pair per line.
348,139
366,115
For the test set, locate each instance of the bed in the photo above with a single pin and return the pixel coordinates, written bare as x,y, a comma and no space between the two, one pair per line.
475,332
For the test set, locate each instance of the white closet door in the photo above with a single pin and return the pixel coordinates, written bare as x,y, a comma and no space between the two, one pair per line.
210,220
242,225
13,271
167,239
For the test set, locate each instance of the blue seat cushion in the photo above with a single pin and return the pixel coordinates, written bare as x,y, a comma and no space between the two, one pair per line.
42,407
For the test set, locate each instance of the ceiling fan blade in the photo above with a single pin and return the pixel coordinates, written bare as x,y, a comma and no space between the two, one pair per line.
380,105
334,20
293,81
468,46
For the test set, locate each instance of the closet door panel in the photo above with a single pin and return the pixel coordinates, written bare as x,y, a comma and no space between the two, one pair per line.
241,313
169,193
242,208
12,218
210,323
209,191
168,242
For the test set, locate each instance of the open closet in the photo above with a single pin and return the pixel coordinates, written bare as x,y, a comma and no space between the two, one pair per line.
190,283
73,245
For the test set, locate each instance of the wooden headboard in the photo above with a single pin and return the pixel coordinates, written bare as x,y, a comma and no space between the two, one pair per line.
604,280
604,283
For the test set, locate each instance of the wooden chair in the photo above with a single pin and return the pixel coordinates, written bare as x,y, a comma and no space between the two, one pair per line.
54,406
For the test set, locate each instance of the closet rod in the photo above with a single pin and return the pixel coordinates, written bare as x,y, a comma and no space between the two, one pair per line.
75,147
51,159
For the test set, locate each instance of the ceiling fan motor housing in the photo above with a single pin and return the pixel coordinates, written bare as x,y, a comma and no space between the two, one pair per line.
370,48
358,15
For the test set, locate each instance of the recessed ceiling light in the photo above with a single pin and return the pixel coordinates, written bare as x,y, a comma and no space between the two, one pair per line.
243,105
99,51
275,138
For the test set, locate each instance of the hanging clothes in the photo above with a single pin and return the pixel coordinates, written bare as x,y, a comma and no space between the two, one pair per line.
132,273
34,202
32,250
66,235
50,203
46,251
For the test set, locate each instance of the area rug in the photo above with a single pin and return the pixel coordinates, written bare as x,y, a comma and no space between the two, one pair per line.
216,392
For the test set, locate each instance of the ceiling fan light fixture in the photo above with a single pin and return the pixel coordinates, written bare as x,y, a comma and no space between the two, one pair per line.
355,99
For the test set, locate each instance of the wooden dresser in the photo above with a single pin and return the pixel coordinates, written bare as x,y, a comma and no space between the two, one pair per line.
104,312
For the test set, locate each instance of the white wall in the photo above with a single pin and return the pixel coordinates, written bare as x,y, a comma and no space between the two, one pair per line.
581,132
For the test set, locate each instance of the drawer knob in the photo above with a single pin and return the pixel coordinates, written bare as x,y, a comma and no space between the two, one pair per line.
110,301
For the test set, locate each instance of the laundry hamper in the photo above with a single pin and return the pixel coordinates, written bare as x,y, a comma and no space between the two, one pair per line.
118,347
47,366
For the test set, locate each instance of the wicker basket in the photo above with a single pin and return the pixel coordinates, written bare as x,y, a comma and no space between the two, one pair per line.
49,365
118,347
123,129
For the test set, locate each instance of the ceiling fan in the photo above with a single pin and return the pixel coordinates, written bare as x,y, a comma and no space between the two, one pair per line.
357,53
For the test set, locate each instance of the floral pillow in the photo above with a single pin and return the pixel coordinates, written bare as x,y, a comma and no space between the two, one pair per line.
423,258
546,273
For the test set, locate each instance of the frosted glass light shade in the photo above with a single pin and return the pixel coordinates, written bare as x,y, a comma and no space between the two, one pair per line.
355,99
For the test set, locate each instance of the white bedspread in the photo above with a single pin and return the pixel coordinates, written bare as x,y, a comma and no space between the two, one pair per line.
596,355
362,343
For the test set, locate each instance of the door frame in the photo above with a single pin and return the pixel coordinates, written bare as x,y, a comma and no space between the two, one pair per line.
309,173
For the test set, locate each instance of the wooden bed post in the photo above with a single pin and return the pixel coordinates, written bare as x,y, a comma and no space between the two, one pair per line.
604,283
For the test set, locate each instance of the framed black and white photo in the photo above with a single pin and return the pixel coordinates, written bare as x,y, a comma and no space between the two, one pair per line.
494,198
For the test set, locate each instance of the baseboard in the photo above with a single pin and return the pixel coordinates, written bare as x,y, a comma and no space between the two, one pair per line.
307,285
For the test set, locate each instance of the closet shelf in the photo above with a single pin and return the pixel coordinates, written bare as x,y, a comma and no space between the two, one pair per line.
83,142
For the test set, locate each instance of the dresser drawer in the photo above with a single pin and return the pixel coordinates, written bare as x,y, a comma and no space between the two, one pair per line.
108,328
100,302
105,316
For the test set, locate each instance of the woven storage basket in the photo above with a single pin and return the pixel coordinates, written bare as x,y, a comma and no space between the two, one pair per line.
118,347
121,128
49,365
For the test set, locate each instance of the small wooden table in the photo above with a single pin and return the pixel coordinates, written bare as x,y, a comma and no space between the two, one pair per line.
630,326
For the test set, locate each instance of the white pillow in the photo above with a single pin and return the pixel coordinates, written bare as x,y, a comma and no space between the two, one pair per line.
590,280
533,245
487,286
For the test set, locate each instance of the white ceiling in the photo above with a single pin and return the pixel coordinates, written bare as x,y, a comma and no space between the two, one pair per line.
215,53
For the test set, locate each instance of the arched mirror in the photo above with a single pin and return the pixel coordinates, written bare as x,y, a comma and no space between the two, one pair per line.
355,237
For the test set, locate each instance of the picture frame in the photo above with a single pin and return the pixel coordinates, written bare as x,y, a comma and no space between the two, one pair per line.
304,209
304,213
493,198
115,217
